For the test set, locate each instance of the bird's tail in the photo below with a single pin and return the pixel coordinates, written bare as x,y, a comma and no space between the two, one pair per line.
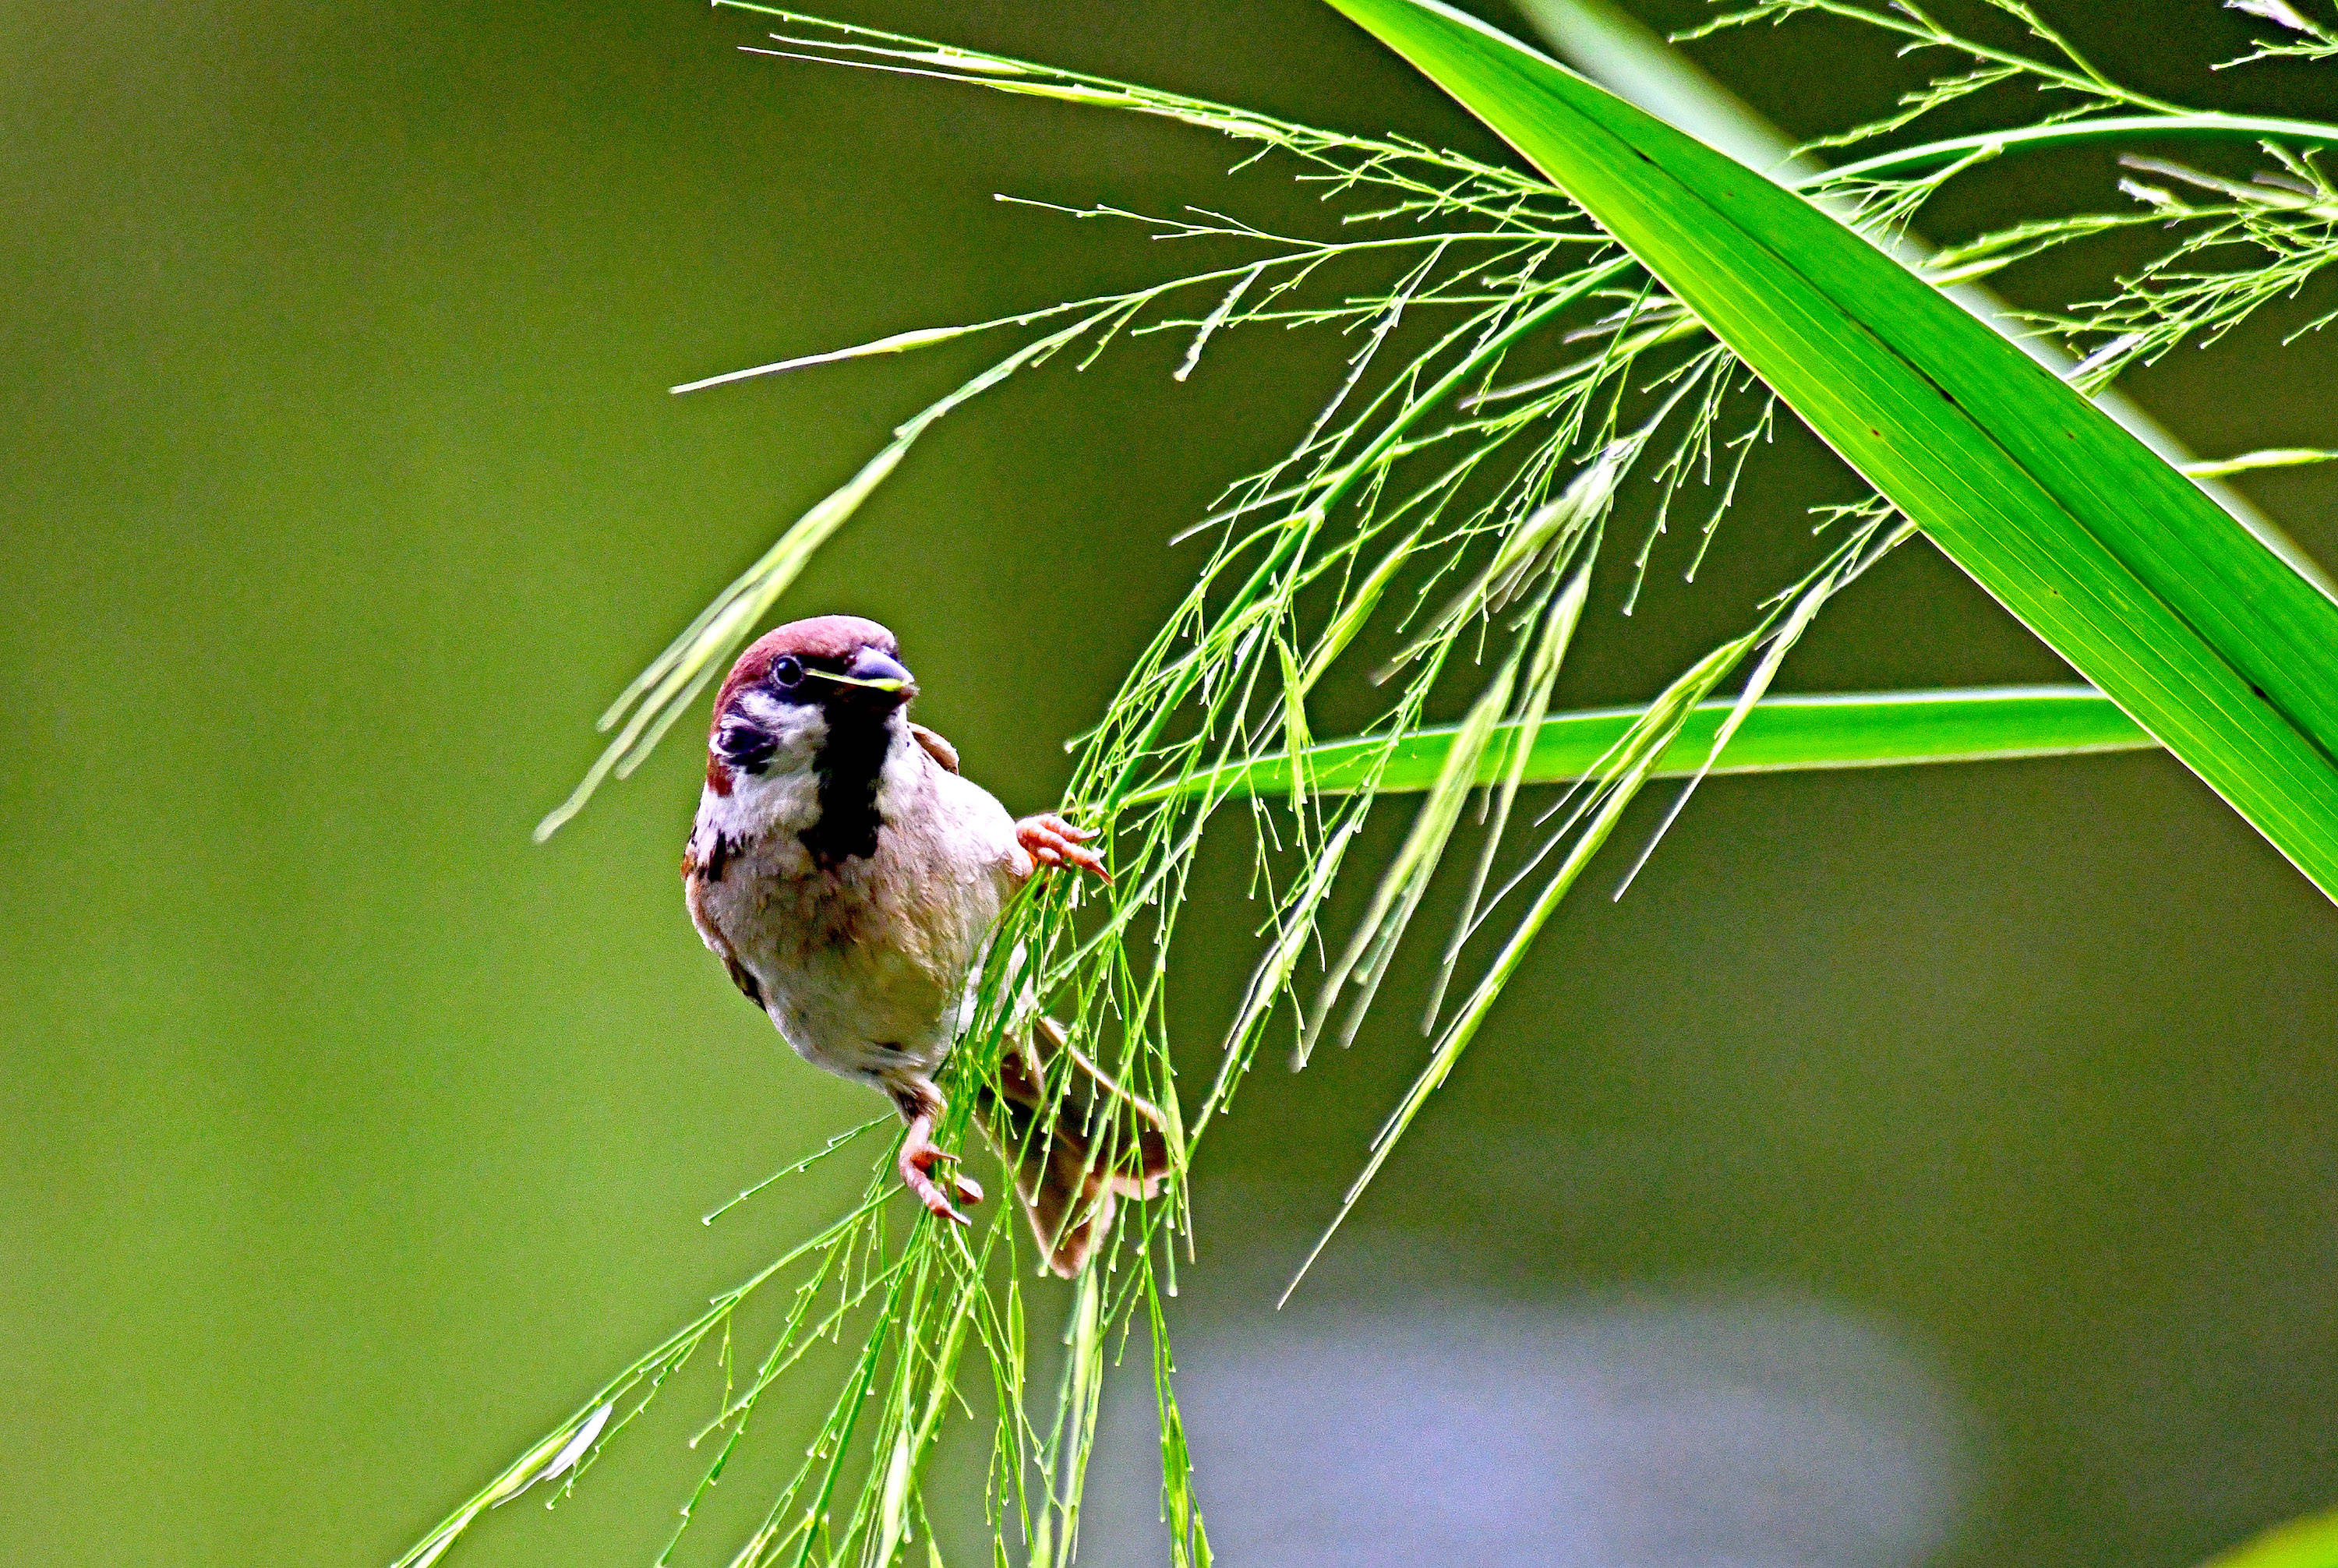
1076,1140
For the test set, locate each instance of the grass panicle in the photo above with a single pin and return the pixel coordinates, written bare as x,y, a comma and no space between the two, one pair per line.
1515,387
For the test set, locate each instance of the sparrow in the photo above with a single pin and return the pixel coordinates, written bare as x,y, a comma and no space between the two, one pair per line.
848,876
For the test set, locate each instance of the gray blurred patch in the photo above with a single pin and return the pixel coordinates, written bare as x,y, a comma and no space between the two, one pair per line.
1646,1433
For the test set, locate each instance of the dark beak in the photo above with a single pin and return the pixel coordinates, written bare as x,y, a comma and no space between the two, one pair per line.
878,677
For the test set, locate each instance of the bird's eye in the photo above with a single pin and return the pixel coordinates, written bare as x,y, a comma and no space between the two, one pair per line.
787,675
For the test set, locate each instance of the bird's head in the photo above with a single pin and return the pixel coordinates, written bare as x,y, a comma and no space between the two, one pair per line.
805,696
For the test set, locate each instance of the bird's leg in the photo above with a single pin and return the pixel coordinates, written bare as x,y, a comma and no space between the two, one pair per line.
919,1155
1050,840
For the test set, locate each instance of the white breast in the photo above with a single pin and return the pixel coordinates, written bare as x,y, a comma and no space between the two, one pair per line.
861,964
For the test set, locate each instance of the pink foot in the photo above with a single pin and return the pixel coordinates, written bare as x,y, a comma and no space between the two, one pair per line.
1050,840
919,1155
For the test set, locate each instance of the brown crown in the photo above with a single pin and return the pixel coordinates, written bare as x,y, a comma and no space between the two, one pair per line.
822,640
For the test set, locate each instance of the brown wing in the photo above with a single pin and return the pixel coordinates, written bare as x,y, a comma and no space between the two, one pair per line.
939,749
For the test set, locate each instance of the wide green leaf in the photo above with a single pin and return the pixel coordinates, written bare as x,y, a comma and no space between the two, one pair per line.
1779,735
2215,645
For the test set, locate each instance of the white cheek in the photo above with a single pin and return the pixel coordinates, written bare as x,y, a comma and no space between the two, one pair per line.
784,795
800,729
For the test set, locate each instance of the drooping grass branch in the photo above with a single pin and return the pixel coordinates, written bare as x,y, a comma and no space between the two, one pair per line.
2263,242
1510,371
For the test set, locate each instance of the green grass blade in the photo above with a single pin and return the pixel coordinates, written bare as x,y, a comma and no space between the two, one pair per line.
2123,130
1779,735
1621,776
2213,643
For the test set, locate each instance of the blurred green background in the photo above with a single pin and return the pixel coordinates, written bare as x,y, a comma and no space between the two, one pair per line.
350,1139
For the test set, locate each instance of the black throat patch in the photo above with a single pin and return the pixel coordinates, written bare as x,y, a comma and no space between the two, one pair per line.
850,763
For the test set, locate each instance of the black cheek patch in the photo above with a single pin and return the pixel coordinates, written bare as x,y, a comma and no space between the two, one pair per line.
744,745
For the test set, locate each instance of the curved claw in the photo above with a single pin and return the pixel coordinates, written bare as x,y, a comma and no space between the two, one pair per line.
1050,840
919,1155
